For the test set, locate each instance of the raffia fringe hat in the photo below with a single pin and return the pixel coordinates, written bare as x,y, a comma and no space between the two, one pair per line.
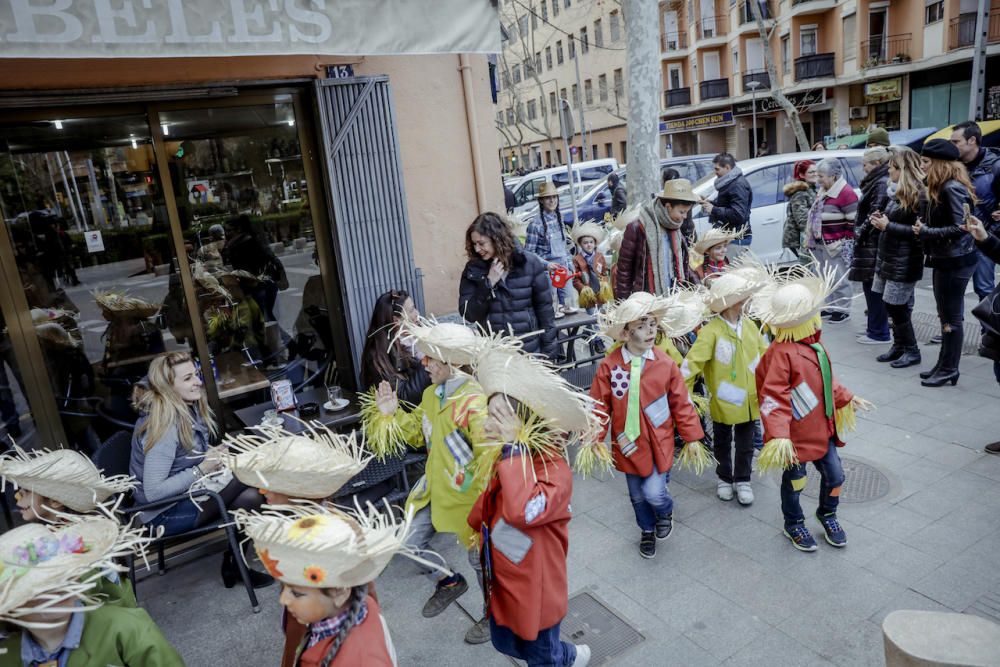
518,226
789,305
315,464
627,217
119,304
64,475
45,564
686,311
322,547
588,228
612,320
454,344
712,238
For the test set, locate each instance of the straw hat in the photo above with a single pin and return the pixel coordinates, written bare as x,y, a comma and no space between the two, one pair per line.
712,238
48,564
518,226
239,276
55,335
686,311
63,475
547,189
312,465
119,304
615,239
627,217
729,289
322,547
612,320
588,228
793,299
679,189
454,344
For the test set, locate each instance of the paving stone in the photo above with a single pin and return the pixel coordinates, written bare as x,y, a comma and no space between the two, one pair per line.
908,599
774,647
952,586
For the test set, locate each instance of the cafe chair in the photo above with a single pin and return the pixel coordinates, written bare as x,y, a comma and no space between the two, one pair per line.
379,481
113,459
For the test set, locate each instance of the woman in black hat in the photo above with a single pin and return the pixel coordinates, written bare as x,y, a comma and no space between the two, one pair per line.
948,250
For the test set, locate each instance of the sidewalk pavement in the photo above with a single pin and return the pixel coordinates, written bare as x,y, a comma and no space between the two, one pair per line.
727,588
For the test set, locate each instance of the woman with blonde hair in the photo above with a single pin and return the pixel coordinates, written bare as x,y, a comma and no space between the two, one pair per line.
171,452
948,250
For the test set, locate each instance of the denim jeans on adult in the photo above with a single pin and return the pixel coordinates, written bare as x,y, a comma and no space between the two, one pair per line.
793,480
878,318
178,518
743,434
949,294
546,650
421,532
650,498
982,278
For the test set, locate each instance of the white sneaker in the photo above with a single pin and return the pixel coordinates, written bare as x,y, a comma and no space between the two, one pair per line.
560,314
582,656
724,491
744,493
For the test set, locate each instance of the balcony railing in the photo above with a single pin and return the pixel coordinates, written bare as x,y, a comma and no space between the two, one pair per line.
746,11
713,26
714,89
816,66
673,41
677,97
759,76
882,50
962,30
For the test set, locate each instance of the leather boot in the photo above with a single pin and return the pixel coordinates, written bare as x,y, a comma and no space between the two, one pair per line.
909,357
906,337
937,365
951,353
893,353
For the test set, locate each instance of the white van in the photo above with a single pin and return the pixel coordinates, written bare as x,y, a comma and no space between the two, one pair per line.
591,170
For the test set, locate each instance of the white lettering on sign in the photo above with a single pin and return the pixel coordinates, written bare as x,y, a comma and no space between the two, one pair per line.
28,16
181,34
107,17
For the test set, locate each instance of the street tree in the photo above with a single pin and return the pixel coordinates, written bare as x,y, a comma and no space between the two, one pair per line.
642,31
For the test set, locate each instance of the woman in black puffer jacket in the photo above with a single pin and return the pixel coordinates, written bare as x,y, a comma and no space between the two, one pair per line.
948,250
504,288
873,200
899,264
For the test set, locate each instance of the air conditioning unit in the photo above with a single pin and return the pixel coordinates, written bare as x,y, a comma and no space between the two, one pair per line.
857,113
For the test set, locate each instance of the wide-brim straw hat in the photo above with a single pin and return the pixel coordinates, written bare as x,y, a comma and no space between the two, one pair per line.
547,189
627,217
729,289
518,226
611,321
46,564
55,335
117,304
63,475
239,276
686,311
314,464
615,239
791,299
589,228
679,189
323,547
454,344
713,237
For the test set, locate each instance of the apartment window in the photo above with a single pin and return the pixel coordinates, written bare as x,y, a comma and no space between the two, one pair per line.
553,105
576,95
572,47
505,76
584,45
598,34
522,24
512,31
520,110
545,10
562,93
559,52
510,116
567,4
623,150
934,11
850,37
499,117
558,150
619,82
588,92
541,106
807,40
616,26
555,7
593,151
608,151
532,110
786,54
528,68
548,57
517,74
602,87
534,18
538,62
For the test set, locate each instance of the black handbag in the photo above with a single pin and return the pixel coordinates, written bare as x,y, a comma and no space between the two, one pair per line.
988,311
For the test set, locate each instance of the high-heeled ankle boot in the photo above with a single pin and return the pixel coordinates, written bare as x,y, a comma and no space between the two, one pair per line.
951,353
934,369
907,339
231,574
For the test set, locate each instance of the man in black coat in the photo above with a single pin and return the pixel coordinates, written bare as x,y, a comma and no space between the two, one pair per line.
618,198
731,209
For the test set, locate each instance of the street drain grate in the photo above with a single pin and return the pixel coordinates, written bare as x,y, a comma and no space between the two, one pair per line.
926,325
589,621
988,606
862,482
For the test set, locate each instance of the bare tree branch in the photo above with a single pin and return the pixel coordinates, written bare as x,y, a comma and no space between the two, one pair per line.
772,75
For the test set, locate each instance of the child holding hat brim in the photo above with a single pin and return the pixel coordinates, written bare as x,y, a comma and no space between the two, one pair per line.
708,254
48,579
449,423
726,352
804,409
641,389
523,516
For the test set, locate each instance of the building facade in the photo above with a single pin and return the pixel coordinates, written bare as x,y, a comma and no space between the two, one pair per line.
545,44
846,64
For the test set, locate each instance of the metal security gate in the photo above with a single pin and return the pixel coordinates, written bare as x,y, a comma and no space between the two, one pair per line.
370,227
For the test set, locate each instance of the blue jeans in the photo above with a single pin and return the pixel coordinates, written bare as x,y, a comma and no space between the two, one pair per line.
562,292
547,650
793,480
650,498
878,318
982,279
178,518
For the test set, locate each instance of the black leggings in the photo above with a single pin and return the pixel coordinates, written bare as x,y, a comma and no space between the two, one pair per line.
236,495
949,294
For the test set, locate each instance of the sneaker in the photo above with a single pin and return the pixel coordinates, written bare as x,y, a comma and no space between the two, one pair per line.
448,590
992,448
826,313
935,340
838,317
744,493
560,314
868,340
835,534
582,656
479,633
801,538
570,310
647,544
724,490
664,526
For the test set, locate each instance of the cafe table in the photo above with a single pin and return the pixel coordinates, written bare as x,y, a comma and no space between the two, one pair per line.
332,419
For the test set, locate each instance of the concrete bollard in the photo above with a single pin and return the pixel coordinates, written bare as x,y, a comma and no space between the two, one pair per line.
300,243
939,639
278,248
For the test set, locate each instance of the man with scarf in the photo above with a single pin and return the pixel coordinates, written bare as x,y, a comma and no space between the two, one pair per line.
653,256
731,208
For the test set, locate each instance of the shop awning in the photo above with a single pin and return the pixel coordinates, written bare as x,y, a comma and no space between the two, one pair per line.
990,128
851,141
913,138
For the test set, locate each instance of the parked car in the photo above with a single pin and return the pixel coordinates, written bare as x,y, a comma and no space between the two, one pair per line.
767,177
565,203
527,189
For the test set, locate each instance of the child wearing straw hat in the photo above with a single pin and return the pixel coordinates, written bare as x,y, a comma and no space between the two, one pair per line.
449,423
546,237
726,352
593,285
48,594
523,516
708,254
804,409
642,391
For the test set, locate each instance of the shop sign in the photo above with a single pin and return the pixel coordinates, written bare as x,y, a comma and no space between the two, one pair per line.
95,243
185,28
339,71
694,123
887,90
767,104
993,103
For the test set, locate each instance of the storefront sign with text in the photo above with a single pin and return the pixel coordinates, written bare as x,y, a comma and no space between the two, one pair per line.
693,123
767,104
888,90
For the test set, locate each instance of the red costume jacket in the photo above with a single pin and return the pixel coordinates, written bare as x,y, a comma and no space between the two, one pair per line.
790,390
367,644
528,520
585,279
664,401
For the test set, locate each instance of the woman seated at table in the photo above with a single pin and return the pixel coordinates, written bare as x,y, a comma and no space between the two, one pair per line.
171,452
389,358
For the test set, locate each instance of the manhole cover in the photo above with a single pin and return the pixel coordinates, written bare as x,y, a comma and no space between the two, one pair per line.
988,606
862,482
589,621
926,325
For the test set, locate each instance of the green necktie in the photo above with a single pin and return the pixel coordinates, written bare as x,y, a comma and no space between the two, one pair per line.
824,369
632,416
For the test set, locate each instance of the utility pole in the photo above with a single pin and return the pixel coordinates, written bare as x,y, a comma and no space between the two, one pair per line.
976,90
579,88
567,131
643,33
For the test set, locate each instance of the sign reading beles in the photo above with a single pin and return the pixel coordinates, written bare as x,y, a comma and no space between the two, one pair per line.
888,90
705,122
